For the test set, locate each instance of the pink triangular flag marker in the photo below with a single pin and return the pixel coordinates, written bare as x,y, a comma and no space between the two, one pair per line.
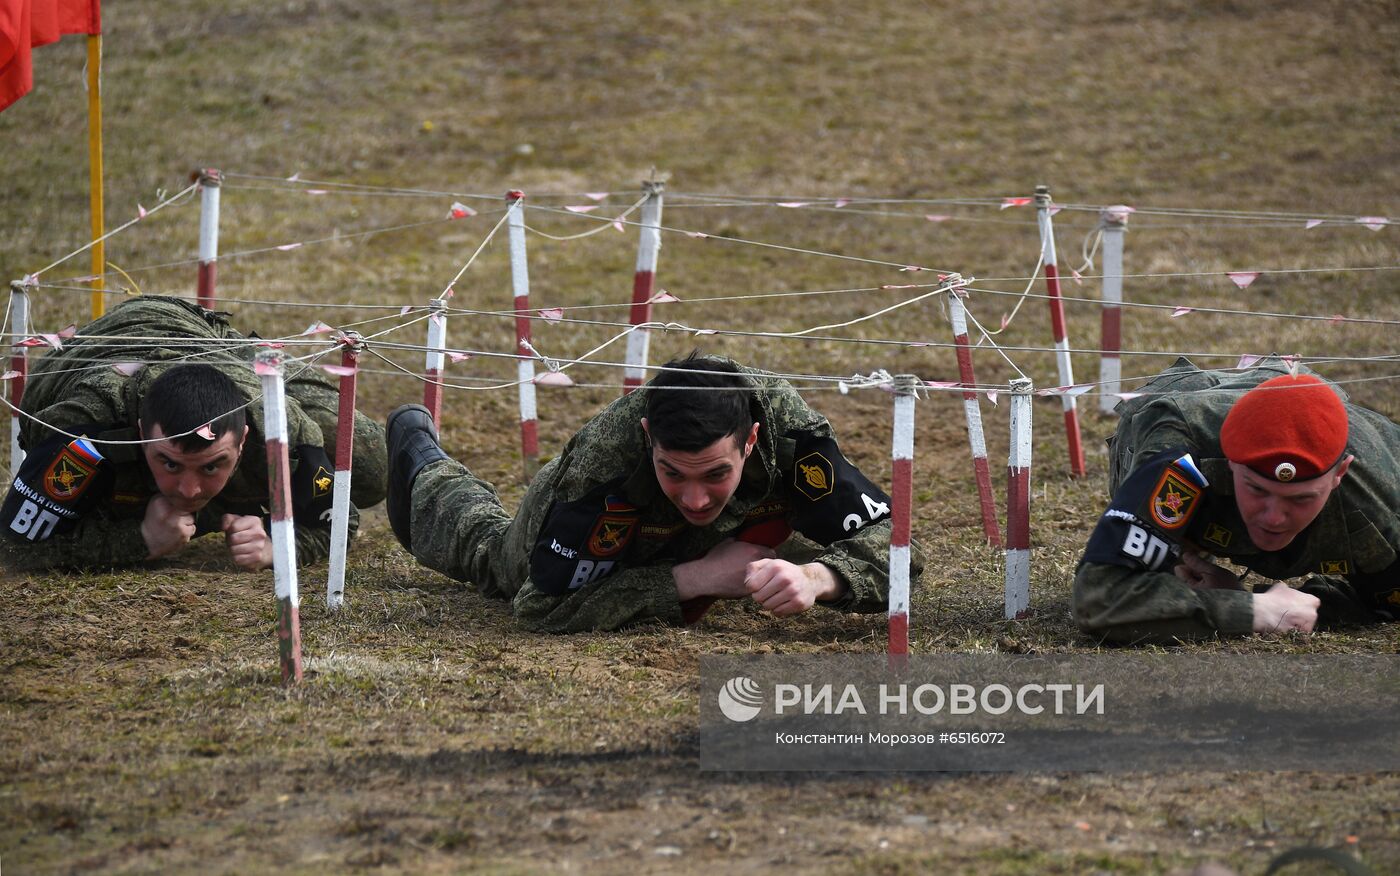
554,378
265,369
792,205
840,202
450,290
1054,210
53,340
407,308
663,297
587,208
31,342
316,191
1128,396
206,432
1005,320
1014,202
287,247
68,332
1337,318
1247,361
1181,311
1047,392
1242,279
271,345
941,384
596,196
1375,223
316,328
617,223
294,177
460,211
1078,277
552,314
1120,212
140,212
338,370
459,357
126,369
1311,224
937,217
9,375
992,396
700,235
1078,389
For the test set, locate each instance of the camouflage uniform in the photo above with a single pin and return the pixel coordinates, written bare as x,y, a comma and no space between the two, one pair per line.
594,541
91,515
1124,588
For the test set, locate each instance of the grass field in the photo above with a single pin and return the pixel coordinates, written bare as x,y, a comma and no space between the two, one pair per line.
142,727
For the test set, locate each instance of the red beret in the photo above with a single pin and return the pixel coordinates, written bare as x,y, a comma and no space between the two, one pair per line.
1286,429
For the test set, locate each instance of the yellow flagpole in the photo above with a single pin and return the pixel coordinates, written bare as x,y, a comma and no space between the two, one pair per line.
94,89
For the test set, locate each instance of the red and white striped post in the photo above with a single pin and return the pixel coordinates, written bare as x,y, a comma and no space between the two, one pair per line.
210,182
436,358
1114,221
344,452
644,285
19,363
957,312
1018,503
1057,323
525,363
901,514
268,365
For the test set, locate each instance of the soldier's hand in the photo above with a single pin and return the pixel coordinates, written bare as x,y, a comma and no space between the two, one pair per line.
787,589
248,542
1281,608
165,528
1202,574
720,572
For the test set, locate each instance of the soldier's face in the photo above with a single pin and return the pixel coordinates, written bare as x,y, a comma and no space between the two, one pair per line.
701,483
1275,513
191,479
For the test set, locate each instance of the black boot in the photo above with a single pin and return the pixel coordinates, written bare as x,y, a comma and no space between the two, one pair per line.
413,443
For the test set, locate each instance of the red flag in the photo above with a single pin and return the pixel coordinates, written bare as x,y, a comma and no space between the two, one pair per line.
16,75
79,16
28,24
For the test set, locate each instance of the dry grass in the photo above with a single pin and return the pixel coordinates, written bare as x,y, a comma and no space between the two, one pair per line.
143,726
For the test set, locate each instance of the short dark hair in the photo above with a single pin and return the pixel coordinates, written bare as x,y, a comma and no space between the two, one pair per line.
189,396
696,401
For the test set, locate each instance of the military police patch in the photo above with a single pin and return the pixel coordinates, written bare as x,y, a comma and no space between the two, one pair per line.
611,534
814,476
1174,499
71,471
321,482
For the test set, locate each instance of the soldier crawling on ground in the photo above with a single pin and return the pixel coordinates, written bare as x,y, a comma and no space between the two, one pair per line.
669,499
122,468
1274,471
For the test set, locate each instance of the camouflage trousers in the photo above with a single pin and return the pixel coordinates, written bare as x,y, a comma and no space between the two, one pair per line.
461,529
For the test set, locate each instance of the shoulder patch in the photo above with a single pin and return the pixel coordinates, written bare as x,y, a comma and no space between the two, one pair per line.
1174,499
611,533
585,540
322,482
71,471
1334,567
831,499
1218,535
813,476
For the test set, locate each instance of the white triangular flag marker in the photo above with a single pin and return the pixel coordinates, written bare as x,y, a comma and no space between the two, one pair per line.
1375,223
554,378
552,314
1242,279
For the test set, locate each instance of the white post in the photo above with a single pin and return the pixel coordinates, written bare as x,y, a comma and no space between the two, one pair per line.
344,453
436,358
902,502
525,363
19,363
1018,503
210,183
1115,223
644,286
268,366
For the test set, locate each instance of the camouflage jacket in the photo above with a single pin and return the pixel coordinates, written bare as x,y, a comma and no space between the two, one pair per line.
608,537
1172,486
79,504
